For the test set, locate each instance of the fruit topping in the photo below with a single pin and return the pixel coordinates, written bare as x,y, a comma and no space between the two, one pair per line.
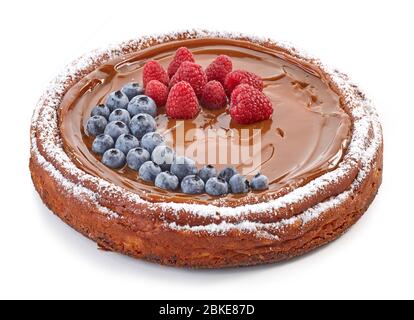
182,102
149,171
163,156
126,142
158,92
216,187
183,166
141,124
115,129
113,158
125,128
249,105
260,182
120,115
151,140
182,54
153,70
227,173
239,184
137,157
101,110
219,68
213,96
234,78
142,104
102,143
132,90
192,73
207,172
166,180
117,100
96,125
192,185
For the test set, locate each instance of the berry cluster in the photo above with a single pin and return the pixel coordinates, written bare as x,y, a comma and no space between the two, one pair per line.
125,128
126,118
125,135
185,85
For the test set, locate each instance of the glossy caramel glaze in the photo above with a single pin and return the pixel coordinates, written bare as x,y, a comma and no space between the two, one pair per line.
306,136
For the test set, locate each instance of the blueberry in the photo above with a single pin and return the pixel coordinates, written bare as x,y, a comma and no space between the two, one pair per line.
102,143
96,125
260,182
132,89
227,173
183,166
239,184
166,180
192,185
149,171
126,142
216,186
116,128
142,104
141,124
207,172
101,110
163,156
113,158
117,100
151,140
136,157
120,115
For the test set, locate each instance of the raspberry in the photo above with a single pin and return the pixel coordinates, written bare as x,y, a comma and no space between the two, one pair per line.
193,74
233,79
236,92
219,68
213,95
182,54
157,91
153,70
249,105
182,102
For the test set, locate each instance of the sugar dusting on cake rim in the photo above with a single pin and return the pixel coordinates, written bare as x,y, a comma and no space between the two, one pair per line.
359,153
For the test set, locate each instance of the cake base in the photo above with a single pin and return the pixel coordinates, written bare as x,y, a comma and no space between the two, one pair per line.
154,242
219,234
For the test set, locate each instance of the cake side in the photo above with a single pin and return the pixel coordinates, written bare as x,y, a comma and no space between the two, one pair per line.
214,247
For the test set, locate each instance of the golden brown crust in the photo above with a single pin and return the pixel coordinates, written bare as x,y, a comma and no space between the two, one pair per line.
138,237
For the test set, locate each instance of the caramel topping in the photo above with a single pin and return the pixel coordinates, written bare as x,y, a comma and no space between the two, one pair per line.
305,138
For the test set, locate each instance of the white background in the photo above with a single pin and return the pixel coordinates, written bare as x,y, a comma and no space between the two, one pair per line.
40,257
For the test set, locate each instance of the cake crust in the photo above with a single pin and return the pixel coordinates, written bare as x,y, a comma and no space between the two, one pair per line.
208,236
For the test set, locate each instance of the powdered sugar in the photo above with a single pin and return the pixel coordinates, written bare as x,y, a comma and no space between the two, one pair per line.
365,141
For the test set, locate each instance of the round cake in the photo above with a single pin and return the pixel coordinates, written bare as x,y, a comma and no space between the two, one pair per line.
206,149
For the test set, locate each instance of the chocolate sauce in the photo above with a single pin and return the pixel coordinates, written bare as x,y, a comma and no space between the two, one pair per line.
305,138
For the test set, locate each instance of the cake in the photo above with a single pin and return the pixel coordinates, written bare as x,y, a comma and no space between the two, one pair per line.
308,166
